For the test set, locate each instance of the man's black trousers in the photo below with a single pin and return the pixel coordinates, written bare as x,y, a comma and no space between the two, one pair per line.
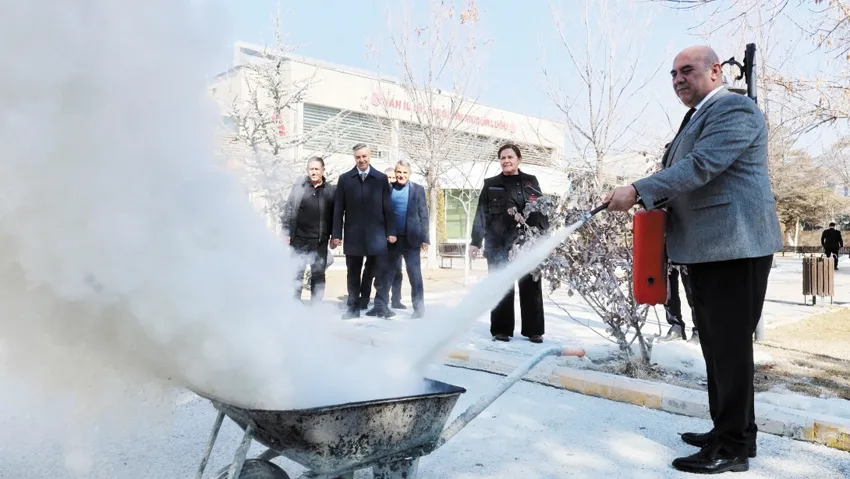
728,299
354,264
674,300
316,253
369,277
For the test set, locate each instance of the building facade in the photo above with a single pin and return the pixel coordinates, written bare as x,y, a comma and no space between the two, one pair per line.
342,106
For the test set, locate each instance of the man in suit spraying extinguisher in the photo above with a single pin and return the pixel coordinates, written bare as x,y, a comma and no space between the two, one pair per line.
722,227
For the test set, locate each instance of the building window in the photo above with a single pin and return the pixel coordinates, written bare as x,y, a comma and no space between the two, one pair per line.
457,202
331,130
229,123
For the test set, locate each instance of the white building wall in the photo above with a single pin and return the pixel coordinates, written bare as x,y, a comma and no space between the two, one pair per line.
366,93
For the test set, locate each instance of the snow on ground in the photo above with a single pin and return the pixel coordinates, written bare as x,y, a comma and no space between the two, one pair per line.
570,322
687,358
531,432
830,406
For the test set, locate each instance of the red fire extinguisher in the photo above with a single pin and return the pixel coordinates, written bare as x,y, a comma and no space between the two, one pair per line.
650,265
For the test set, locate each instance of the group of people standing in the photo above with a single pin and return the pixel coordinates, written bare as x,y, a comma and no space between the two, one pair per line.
383,219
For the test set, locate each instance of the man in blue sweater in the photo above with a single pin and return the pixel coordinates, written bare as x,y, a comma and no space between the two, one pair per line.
410,212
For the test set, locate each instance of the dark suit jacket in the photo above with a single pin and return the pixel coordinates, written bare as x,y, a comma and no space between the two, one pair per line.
291,210
493,225
416,224
831,239
363,213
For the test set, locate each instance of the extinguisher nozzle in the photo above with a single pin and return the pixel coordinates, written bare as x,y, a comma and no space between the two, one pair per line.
578,352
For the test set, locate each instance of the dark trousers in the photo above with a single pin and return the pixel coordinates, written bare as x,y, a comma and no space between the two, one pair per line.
369,276
316,252
728,299
832,252
413,262
674,301
356,277
530,304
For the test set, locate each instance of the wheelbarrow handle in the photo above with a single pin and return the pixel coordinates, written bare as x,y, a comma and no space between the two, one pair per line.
503,386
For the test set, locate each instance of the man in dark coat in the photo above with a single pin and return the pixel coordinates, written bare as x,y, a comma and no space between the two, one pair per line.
831,241
369,273
411,217
307,219
363,217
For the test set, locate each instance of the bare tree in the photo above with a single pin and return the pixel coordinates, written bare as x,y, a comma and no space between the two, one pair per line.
462,179
604,106
798,185
436,61
596,264
602,113
836,160
261,111
819,97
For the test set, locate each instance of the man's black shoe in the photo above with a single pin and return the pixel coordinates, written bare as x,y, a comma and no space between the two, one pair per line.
704,439
417,313
710,460
384,312
399,306
351,313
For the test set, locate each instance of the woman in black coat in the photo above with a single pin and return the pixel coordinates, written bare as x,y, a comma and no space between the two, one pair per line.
498,230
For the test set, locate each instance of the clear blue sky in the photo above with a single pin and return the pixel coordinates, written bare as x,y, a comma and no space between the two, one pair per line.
339,30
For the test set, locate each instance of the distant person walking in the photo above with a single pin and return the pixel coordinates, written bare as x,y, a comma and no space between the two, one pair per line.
497,229
307,218
831,241
363,217
411,217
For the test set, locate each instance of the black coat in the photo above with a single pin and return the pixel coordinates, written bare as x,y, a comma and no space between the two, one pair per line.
831,239
289,219
363,213
493,225
416,224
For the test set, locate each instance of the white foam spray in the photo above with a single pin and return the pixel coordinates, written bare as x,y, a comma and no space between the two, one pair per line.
123,250
128,262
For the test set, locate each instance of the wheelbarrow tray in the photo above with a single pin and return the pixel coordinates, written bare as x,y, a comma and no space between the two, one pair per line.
339,438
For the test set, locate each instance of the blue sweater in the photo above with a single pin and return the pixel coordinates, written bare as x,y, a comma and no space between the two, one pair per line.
399,196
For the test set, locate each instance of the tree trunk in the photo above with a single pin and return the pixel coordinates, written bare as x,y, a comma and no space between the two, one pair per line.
797,233
433,201
467,239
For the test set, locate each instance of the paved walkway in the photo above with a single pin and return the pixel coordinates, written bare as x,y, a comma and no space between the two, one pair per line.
531,432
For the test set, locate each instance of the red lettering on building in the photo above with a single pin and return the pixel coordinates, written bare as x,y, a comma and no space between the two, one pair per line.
378,100
281,127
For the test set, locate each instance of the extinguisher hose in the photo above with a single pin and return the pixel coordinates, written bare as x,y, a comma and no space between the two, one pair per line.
597,209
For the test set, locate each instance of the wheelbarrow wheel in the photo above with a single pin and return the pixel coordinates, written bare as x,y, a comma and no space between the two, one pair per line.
256,469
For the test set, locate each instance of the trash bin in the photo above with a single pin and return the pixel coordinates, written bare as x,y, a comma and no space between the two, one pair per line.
818,278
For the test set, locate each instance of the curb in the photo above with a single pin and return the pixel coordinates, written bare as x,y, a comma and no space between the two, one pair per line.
830,431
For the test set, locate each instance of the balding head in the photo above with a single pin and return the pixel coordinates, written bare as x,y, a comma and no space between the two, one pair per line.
696,73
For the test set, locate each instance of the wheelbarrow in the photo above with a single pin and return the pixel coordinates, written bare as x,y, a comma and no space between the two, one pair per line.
333,442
